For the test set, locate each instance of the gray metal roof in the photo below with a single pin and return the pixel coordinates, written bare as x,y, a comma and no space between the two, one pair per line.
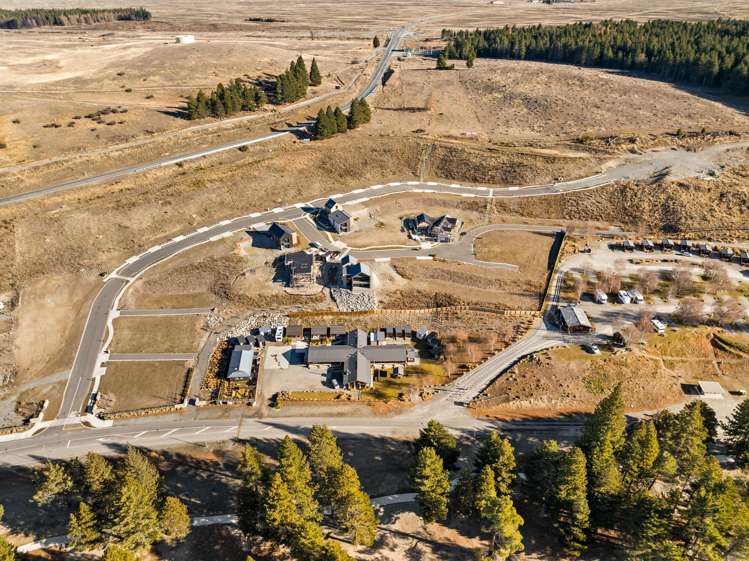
339,217
240,362
573,316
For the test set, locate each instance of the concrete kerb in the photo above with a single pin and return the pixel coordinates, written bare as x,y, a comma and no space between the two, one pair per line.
35,425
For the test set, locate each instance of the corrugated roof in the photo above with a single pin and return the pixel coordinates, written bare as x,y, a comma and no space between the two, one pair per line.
573,316
240,362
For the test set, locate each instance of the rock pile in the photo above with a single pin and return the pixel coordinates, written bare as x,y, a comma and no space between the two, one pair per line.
348,301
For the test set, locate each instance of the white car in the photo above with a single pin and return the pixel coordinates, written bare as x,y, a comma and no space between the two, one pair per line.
623,297
636,297
279,334
601,297
658,325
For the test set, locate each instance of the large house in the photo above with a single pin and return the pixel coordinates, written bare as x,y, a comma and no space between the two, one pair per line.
358,359
439,228
355,274
283,236
338,219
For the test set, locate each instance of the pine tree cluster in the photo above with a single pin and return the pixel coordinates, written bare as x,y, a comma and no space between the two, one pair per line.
21,19
654,484
118,506
709,53
225,100
286,504
292,84
330,122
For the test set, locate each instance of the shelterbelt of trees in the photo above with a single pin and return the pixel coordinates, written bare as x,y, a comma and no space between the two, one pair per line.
710,53
241,95
20,19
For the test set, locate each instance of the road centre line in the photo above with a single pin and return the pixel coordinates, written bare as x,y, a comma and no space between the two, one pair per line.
202,229
230,429
140,434
169,433
224,222
202,430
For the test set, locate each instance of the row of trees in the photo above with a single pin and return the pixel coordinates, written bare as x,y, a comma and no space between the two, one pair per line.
286,503
292,84
20,19
118,505
330,122
241,95
225,100
650,488
710,53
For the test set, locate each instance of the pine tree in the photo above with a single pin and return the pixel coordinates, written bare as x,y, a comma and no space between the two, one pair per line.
330,115
572,503
115,552
376,42
690,449
138,467
300,71
308,540
326,461
436,436
470,59
135,524
352,508
607,422
430,481
53,483
341,120
324,128
497,453
332,551
640,459
709,419
462,497
442,62
280,511
7,551
250,496
736,430
315,78
174,520
295,472
97,473
484,489
503,523
83,530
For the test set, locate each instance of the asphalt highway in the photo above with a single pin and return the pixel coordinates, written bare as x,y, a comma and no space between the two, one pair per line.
368,90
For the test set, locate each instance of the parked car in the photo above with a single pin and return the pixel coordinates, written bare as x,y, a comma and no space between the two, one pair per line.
278,334
636,297
623,297
658,325
592,349
601,297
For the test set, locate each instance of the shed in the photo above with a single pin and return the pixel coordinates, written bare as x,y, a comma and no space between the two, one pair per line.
648,245
744,257
336,330
574,320
667,244
318,331
295,331
628,245
726,253
710,390
704,249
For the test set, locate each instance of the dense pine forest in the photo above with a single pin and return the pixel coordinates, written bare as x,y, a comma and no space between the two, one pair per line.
20,19
711,53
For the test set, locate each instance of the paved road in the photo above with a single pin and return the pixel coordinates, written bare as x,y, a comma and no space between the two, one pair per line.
371,86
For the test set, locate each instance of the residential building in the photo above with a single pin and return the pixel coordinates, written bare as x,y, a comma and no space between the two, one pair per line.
439,228
358,359
300,266
283,236
338,219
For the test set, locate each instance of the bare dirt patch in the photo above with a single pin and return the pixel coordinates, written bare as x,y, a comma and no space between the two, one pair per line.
161,334
139,385
457,283
528,250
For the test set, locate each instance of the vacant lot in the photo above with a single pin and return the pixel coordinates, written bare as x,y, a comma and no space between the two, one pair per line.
528,250
137,385
161,334
569,379
505,101
456,283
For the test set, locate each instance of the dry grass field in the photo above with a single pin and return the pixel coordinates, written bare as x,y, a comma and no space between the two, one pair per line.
160,334
528,250
569,379
138,385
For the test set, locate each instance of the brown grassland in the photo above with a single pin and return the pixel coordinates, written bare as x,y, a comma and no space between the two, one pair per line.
160,334
138,385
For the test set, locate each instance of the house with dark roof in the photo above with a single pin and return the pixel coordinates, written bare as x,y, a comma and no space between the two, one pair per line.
574,320
358,359
439,228
283,236
240,362
337,218
300,267
355,274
